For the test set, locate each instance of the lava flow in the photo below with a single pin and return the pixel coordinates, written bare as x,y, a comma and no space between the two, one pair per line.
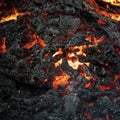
113,2
61,79
73,60
93,39
97,8
36,39
3,48
62,57
14,16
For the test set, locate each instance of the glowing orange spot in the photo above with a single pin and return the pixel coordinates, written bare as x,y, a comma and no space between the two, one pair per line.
13,16
114,16
58,63
79,49
93,39
113,2
41,42
88,77
89,38
3,48
36,39
70,55
87,63
59,52
106,64
30,44
61,79
74,62
46,80
97,41
101,22
103,87
87,85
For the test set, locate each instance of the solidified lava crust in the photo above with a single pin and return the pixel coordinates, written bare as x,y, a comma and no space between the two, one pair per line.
59,60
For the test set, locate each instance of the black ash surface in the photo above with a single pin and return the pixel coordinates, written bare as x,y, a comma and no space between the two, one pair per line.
24,94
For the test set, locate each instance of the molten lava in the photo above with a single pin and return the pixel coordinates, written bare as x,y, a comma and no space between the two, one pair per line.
3,48
85,75
59,52
93,39
36,40
113,2
101,22
72,57
87,85
13,16
79,49
58,63
114,16
73,61
61,79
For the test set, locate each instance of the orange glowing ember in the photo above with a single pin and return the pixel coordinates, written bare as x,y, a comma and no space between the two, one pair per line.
61,79
13,16
114,16
30,44
113,2
101,22
41,42
93,39
3,48
36,39
46,80
58,63
87,85
79,49
88,77
74,62
72,58
59,52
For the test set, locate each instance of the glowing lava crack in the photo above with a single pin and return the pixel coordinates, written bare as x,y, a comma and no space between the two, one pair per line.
14,16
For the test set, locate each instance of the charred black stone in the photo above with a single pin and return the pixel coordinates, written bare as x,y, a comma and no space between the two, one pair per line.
27,75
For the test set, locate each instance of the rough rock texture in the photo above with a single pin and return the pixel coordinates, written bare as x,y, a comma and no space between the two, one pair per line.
27,72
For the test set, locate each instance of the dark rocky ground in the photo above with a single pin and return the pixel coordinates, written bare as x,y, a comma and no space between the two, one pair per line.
25,102
61,24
